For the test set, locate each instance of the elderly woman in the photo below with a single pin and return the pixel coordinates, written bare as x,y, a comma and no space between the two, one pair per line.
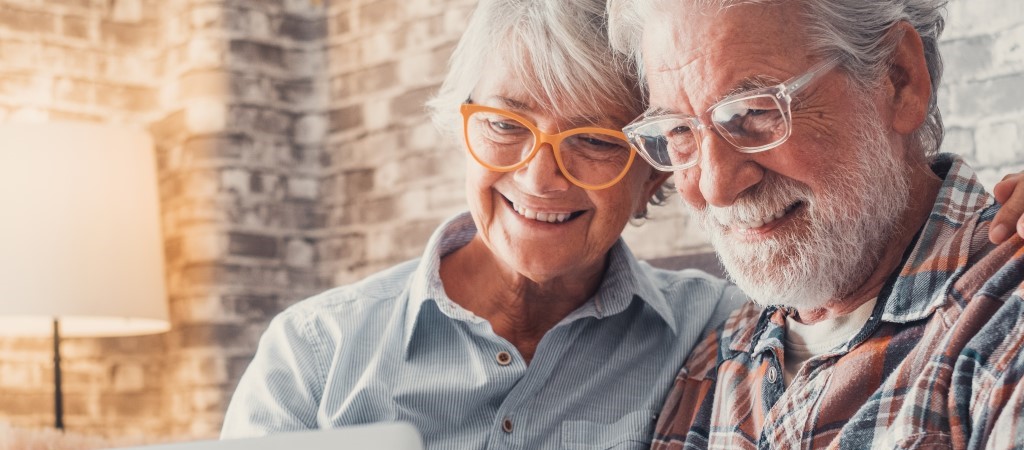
527,323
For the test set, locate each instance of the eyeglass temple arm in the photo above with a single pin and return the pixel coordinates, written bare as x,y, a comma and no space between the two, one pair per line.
794,85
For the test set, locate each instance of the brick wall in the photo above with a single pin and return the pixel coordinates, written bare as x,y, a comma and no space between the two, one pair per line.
294,155
388,179
240,145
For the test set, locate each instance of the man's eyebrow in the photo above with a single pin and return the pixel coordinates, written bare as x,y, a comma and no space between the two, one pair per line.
658,111
749,84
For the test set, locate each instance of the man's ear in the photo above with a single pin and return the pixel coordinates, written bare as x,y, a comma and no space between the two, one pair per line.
908,81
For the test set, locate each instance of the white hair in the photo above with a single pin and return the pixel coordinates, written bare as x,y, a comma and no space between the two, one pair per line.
558,50
856,31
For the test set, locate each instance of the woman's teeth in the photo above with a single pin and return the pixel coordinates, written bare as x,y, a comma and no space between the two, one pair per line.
541,216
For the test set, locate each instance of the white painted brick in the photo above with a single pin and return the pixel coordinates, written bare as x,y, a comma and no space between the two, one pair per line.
376,115
413,204
990,176
311,129
1008,49
258,23
299,253
129,377
377,47
205,52
206,115
303,188
202,17
959,140
983,16
998,143
235,180
455,20
129,11
411,69
204,245
425,136
379,244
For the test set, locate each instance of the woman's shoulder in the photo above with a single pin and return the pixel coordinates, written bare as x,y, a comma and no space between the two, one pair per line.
378,293
695,294
675,279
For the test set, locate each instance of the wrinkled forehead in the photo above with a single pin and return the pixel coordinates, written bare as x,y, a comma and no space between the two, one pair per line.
699,55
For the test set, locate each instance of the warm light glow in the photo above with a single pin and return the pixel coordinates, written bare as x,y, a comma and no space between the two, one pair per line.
79,231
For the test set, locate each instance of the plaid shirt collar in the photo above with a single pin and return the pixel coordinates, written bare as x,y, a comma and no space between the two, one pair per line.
959,198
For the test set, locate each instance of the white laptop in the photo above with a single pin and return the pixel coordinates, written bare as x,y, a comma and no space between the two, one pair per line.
378,436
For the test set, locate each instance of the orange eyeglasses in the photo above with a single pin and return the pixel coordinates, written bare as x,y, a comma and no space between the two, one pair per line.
590,157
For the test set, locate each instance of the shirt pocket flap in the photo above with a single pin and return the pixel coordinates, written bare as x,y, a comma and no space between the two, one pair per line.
632,431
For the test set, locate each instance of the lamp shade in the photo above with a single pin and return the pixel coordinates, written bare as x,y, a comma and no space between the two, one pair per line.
79,231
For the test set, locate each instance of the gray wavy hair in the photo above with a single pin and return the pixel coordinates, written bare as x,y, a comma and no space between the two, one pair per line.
859,32
559,51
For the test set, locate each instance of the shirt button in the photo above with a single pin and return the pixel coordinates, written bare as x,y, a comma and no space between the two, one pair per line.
773,375
506,425
504,358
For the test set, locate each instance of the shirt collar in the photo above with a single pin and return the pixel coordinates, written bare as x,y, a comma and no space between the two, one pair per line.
624,280
936,260
425,284
941,253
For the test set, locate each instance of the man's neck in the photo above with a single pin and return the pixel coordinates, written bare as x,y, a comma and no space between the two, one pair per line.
924,189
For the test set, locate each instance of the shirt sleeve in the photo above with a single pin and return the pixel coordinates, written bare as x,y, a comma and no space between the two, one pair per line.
281,389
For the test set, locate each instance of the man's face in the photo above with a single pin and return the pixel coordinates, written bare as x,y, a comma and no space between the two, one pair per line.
805,222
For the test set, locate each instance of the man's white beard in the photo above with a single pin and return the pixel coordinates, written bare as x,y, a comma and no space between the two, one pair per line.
834,244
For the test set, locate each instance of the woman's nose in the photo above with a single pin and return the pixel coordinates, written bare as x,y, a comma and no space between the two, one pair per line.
542,175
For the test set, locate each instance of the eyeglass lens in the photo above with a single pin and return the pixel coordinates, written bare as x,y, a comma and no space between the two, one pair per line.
503,142
746,123
750,122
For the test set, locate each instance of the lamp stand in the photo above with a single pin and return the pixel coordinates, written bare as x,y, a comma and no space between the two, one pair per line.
58,394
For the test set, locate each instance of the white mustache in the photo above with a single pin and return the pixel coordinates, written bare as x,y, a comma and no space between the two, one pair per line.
770,199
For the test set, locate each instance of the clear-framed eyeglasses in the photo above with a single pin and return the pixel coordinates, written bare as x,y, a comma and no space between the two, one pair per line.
752,121
502,141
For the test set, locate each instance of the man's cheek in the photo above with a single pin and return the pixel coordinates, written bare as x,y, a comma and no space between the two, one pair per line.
687,182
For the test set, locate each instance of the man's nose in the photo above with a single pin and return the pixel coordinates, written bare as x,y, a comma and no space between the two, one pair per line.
725,173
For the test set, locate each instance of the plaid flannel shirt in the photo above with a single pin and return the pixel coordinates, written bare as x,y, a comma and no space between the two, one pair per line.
938,365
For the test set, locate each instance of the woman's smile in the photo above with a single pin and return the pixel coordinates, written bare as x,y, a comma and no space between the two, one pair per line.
545,215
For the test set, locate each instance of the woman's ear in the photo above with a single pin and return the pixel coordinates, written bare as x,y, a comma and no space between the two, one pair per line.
908,84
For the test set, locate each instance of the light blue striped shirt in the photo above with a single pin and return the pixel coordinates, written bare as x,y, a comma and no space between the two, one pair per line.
395,347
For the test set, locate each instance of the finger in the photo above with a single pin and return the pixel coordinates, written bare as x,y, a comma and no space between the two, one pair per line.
1003,189
1010,217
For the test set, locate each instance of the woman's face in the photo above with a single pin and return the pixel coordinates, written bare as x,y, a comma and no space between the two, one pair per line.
517,213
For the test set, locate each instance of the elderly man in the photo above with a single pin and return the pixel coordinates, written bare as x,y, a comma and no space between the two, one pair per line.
803,134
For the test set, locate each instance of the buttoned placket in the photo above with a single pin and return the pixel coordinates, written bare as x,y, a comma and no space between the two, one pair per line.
507,431
810,381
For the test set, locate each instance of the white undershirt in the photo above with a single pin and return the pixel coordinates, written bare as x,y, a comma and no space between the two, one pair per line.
804,342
